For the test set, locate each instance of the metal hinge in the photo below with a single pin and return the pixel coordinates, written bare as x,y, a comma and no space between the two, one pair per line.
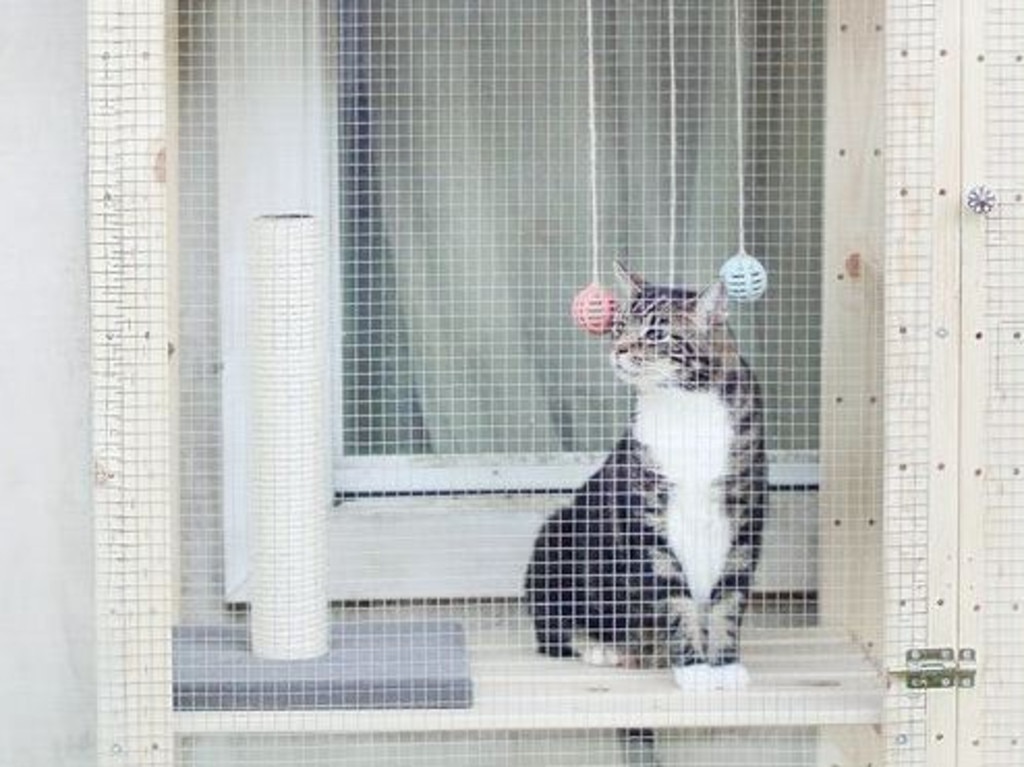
932,667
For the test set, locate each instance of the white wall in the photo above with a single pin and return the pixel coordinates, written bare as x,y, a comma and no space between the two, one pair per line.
46,631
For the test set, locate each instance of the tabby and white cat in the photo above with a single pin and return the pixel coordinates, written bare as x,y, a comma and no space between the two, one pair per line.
653,562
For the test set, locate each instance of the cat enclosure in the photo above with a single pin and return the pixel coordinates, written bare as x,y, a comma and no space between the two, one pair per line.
337,387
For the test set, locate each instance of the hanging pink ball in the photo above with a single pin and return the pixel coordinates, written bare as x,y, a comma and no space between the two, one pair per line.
593,309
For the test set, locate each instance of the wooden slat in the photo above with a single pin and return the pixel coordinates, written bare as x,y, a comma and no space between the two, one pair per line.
990,717
922,363
131,390
851,366
945,398
798,679
975,385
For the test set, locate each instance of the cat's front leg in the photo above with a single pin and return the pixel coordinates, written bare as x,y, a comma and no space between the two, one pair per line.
686,647
706,655
724,615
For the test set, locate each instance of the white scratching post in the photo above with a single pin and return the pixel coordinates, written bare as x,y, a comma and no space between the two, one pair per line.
288,455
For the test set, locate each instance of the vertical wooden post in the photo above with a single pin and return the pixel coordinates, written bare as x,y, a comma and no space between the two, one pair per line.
131,381
990,716
943,471
850,554
168,166
851,406
975,341
922,363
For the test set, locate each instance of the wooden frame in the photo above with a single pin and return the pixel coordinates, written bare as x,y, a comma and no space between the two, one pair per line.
131,376
921,361
953,123
941,363
851,390
990,580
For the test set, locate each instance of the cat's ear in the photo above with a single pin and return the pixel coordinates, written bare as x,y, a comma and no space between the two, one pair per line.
630,279
713,304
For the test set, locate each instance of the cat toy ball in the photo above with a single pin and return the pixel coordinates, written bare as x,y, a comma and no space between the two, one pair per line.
593,309
744,277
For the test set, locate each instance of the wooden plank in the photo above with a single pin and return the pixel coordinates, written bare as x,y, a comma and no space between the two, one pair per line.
849,746
131,408
991,716
851,370
516,689
921,363
168,166
945,371
975,383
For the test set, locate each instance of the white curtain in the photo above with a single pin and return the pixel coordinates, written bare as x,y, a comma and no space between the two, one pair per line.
478,139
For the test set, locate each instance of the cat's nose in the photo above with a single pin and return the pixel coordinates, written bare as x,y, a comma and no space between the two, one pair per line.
622,346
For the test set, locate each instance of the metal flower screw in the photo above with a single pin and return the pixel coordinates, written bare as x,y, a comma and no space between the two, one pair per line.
981,200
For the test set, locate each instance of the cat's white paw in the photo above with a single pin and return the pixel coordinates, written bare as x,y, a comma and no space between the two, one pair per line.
593,652
601,655
701,676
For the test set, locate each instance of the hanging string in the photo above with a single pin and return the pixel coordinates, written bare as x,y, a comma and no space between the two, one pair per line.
593,308
673,150
744,276
741,182
595,213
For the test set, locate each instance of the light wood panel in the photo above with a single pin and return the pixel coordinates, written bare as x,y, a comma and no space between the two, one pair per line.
990,716
922,363
798,678
132,487
851,369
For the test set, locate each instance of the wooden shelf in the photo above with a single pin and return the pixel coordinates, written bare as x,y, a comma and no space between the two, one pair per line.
804,677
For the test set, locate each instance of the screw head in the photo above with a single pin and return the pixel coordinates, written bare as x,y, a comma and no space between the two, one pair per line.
981,200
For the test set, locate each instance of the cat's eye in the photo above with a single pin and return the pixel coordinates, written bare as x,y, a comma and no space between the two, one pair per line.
658,332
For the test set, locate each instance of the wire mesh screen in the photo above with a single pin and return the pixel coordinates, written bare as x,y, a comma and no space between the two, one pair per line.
133,462
468,220
962,518
576,748
912,180
999,727
713,577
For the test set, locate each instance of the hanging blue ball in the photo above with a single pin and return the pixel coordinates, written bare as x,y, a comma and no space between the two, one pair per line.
745,277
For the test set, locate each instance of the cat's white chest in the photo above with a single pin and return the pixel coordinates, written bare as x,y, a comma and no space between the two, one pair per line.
688,434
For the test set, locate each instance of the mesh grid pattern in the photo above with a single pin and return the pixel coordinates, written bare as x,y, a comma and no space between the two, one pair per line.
1001,734
443,147
573,749
911,184
133,461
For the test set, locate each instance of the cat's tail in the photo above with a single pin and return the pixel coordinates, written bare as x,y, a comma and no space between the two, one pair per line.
638,748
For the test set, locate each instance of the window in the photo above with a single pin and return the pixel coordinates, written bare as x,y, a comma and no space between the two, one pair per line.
445,148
